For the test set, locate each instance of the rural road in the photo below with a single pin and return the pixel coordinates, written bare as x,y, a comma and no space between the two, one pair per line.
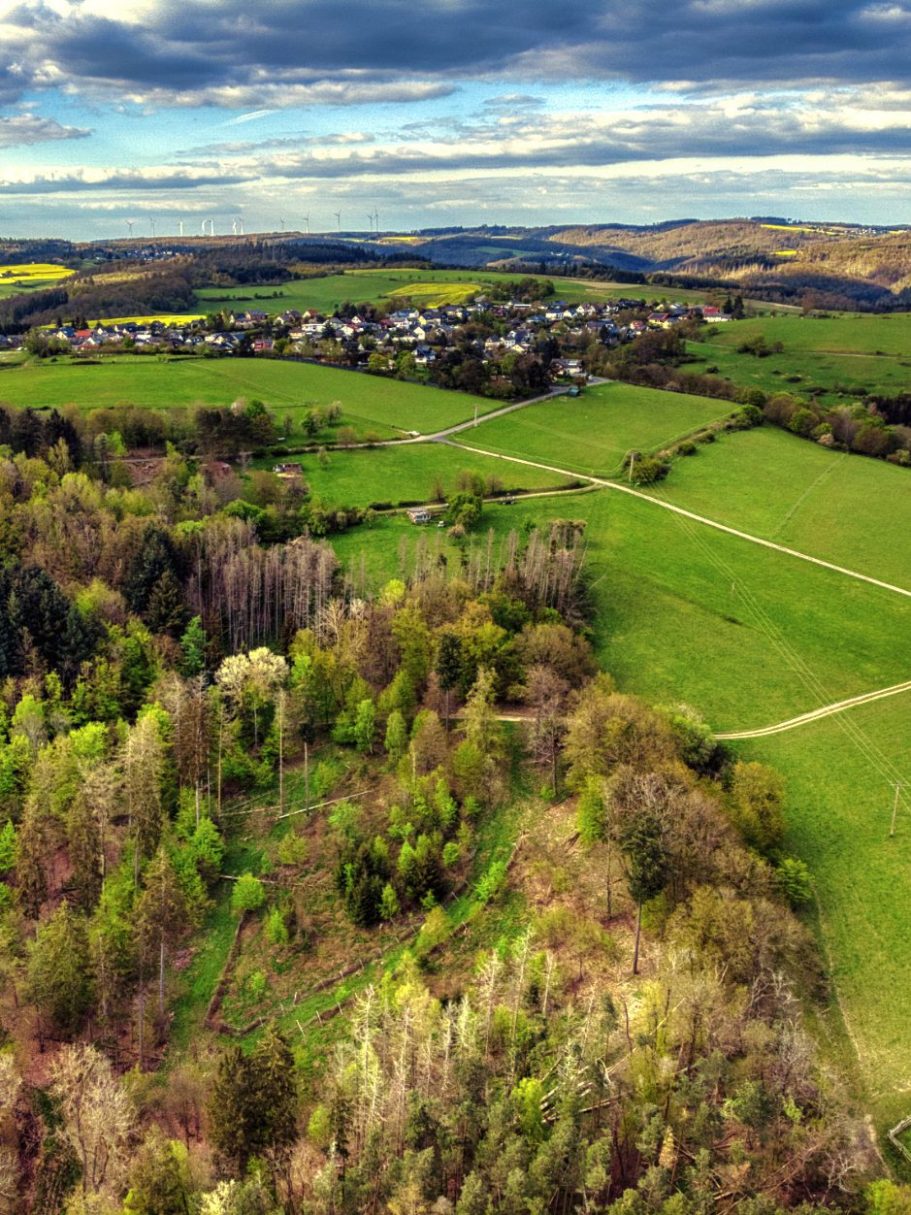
817,714
781,727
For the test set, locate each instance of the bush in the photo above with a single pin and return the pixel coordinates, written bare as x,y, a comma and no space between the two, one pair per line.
276,928
792,877
248,894
650,470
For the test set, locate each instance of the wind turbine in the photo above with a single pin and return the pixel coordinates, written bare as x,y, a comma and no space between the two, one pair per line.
152,222
180,227
370,220
307,220
282,223
338,220
376,216
234,227
240,220
130,223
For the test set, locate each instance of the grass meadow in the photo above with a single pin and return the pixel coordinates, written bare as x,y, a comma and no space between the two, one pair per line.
413,473
428,288
370,404
839,773
844,356
593,433
844,508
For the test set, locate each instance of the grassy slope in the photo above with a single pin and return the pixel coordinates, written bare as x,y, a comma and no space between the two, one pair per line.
846,355
838,773
286,387
683,613
396,474
373,286
593,433
829,504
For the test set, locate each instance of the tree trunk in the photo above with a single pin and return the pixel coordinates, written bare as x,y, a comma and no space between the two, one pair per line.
638,933
161,977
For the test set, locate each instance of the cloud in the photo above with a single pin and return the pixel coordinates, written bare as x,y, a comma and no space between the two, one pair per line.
23,130
752,128
298,52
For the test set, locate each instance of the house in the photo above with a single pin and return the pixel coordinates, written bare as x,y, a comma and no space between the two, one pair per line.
419,514
288,472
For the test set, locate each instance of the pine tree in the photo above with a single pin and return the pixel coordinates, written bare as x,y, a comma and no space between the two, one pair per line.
143,768
30,875
162,916
59,979
193,648
253,1106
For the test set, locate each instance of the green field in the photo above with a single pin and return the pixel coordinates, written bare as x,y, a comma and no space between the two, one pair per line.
829,504
407,474
845,355
594,432
429,288
683,612
369,403
839,773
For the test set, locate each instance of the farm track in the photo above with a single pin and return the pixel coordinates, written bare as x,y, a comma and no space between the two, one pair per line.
688,514
793,723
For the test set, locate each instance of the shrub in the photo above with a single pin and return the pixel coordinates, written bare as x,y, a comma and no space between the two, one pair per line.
248,894
792,877
276,928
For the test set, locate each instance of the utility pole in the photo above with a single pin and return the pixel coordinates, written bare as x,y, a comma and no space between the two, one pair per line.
897,785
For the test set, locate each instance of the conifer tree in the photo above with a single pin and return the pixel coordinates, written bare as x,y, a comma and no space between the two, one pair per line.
59,978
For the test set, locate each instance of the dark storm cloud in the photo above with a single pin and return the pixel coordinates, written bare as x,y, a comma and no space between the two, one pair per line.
191,48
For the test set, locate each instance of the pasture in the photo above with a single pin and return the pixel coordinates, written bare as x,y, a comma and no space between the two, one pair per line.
594,432
412,473
829,504
428,288
371,404
840,797
844,356
684,613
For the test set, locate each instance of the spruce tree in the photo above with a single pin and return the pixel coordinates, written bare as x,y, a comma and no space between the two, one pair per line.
59,979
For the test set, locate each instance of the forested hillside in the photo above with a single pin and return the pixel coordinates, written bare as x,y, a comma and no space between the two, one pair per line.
292,920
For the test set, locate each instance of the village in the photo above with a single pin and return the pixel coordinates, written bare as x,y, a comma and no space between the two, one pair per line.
407,341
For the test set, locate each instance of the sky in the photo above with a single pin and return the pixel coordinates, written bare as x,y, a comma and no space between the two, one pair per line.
284,113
